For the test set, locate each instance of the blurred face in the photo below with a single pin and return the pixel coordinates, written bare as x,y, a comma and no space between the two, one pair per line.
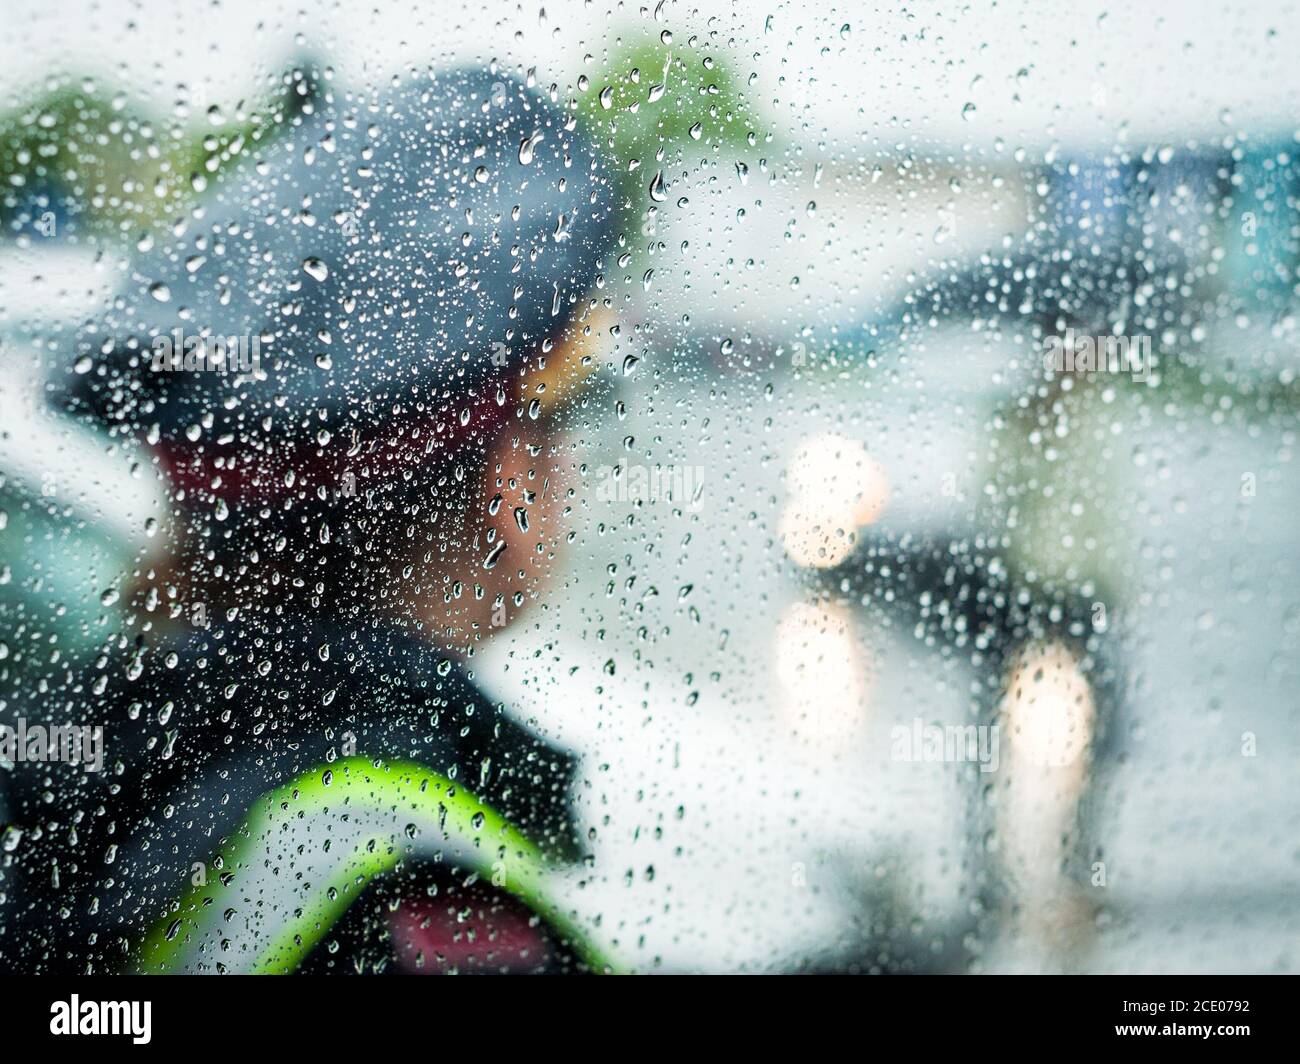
496,540
504,533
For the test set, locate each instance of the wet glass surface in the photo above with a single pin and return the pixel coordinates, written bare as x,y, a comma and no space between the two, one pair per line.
671,489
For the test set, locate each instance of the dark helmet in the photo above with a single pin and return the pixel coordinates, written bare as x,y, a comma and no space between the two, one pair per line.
388,264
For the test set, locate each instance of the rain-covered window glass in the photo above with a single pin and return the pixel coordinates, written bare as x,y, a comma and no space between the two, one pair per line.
685,487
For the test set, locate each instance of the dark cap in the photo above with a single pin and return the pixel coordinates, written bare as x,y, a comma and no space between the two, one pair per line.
375,276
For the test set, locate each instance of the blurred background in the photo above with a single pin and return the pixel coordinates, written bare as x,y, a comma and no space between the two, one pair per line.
820,485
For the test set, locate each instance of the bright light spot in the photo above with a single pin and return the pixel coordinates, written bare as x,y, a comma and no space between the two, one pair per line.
1049,708
835,489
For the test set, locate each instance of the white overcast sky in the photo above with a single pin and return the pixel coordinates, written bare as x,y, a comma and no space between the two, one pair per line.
1037,73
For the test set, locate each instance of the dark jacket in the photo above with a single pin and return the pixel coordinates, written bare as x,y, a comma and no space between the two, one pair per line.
214,720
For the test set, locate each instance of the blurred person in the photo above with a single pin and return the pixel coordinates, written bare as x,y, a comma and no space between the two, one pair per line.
336,364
